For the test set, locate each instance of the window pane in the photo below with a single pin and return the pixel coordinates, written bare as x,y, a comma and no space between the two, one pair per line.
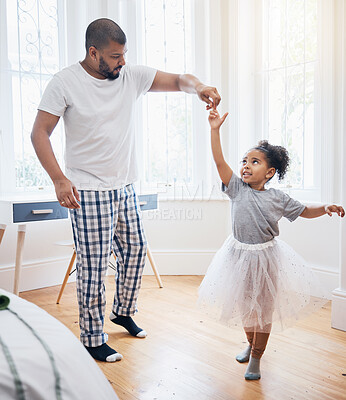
277,106
33,36
26,91
277,33
168,137
33,55
295,123
311,29
309,129
156,144
295,31
292,55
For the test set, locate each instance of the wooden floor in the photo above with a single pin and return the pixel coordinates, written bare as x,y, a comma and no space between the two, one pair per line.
188,357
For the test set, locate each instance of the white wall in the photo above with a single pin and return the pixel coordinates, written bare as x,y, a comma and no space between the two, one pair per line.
183,237
339,294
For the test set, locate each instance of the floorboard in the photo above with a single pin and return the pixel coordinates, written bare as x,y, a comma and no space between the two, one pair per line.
186,356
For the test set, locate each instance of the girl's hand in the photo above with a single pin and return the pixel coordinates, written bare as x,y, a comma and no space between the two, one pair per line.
334,209
215,120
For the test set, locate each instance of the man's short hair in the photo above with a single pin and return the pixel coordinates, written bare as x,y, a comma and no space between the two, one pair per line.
101,31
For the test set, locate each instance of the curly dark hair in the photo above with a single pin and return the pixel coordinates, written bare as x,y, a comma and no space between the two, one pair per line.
277,157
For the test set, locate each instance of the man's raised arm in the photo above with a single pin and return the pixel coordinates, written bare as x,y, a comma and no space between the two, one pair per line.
167,82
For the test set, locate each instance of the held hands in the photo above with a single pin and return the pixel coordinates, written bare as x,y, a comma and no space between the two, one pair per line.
329,209
209,95
215,120
66,193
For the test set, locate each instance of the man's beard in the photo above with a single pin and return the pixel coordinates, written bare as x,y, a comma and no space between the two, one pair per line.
106,72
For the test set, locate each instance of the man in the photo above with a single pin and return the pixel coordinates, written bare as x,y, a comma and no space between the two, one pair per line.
96,99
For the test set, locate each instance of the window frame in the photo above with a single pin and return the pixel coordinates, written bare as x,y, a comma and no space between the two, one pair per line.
324,106
7,162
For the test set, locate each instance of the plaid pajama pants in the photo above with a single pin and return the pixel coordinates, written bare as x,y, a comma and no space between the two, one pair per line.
107,220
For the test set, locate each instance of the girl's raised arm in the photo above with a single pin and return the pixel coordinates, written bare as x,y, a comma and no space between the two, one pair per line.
215,121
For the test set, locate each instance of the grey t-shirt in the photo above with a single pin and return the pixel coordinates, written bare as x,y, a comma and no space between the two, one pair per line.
255,214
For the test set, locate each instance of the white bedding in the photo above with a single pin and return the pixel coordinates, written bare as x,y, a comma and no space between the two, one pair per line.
80,376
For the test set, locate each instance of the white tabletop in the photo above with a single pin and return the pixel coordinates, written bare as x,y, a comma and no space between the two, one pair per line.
30,197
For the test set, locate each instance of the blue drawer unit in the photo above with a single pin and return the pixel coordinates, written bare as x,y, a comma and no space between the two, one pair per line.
38,211
148,201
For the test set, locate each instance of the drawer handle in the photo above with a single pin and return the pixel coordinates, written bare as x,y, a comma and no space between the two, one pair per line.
48,211
143,203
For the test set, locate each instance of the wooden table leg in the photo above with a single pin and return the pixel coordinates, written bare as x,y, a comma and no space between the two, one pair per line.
2,231
67,275
153,266
19,256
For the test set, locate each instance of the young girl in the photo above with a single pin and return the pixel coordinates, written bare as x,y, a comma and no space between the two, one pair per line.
255,276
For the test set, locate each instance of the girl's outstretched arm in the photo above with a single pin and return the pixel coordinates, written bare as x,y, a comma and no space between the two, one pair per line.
314,211
215,121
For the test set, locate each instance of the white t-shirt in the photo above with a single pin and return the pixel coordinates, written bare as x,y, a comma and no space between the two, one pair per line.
99,123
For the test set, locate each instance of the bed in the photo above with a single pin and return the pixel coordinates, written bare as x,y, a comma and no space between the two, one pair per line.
40,359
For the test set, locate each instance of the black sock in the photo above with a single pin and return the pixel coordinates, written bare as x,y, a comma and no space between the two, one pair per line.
128,323
102,353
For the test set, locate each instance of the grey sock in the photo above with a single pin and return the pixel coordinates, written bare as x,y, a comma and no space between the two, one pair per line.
244,355
253,369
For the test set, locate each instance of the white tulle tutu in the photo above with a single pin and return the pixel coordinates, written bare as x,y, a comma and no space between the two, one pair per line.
259,284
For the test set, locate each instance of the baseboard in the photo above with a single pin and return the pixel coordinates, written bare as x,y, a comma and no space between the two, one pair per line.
328,278
50,272
339,309
197,262
36,274
180,262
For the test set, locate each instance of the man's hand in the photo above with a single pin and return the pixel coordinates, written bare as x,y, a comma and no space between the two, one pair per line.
66,193
334,209
215,121
209,95
167,82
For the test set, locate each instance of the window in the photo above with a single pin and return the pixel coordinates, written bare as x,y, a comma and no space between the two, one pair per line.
32,43
168,130
172,128
291,79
